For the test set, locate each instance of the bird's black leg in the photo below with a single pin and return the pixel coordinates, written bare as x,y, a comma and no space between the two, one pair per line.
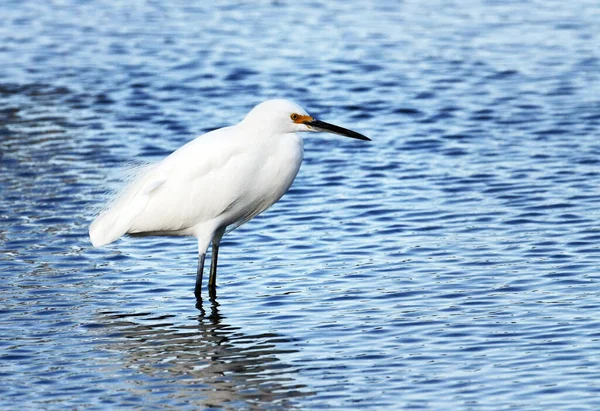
212,280
198,289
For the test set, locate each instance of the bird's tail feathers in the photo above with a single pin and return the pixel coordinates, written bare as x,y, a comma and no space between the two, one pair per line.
102,230
116,220
113,223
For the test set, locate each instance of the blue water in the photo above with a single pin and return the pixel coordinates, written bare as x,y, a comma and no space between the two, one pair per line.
451,263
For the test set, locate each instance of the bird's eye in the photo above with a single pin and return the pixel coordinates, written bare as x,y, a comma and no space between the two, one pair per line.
294,117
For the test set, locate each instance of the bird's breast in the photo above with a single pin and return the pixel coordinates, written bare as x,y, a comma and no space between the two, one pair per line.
281,166
276,168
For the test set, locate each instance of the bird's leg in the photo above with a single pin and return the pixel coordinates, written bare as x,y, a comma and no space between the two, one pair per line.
212,294
212,280
198,289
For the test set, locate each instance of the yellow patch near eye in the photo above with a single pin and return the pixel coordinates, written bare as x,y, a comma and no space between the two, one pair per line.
300,119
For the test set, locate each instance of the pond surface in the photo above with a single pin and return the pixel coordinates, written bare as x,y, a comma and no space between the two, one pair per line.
451,263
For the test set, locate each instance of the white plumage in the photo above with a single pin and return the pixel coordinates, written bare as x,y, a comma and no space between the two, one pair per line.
216,182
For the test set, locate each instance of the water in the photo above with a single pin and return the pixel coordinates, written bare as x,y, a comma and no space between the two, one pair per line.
452,263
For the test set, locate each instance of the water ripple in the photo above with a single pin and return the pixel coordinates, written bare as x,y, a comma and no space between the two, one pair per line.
451,263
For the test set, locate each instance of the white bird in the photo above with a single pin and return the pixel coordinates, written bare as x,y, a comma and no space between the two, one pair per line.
216,182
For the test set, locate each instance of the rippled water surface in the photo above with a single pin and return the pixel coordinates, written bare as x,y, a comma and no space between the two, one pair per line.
451,263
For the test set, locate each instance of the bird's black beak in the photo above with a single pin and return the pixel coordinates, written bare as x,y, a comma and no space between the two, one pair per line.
318,125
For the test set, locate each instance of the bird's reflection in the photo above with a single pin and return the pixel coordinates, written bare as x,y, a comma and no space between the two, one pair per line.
214,305
207,361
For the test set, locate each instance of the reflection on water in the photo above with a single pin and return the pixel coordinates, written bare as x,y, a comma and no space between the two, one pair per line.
215,365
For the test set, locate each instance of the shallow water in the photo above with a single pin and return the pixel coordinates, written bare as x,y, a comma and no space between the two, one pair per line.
452,263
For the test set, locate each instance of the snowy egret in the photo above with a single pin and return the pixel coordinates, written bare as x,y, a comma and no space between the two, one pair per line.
216,182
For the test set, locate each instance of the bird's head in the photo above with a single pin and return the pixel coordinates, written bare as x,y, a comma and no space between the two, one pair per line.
283,116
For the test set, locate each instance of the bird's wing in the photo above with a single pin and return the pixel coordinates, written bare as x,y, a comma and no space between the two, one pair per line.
187,187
